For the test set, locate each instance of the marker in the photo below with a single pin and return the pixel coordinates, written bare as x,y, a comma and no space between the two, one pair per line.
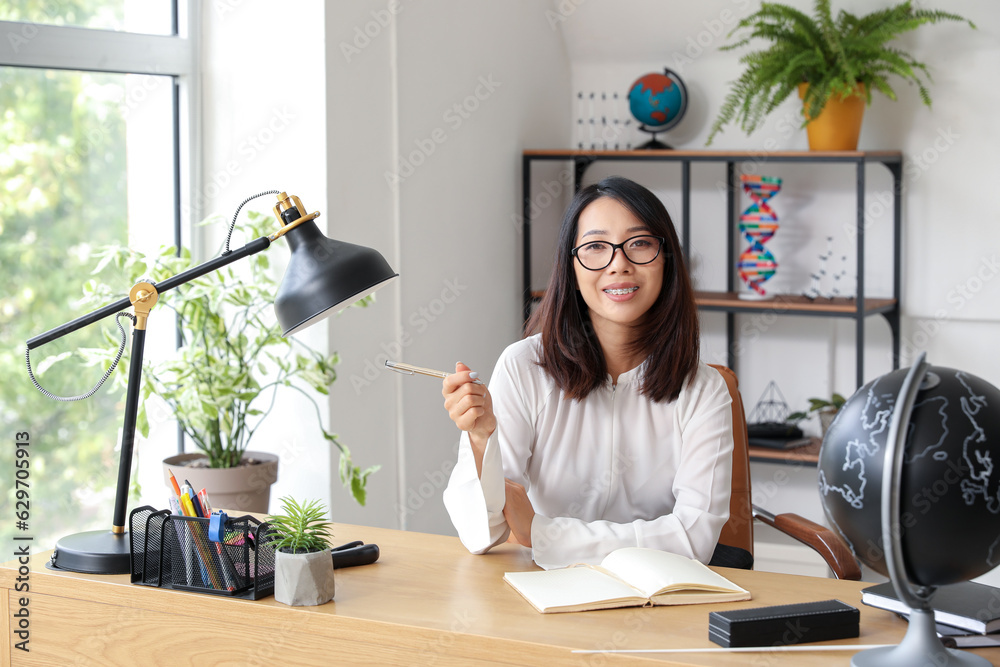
186,500
197,503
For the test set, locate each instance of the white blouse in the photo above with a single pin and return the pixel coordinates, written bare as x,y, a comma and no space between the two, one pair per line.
613,470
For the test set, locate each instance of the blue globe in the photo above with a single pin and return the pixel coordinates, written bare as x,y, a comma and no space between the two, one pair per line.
657,100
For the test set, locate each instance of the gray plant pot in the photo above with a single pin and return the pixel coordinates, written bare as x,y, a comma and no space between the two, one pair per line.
826,416
303,579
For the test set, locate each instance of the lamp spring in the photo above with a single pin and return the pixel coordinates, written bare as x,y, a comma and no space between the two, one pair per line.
107,374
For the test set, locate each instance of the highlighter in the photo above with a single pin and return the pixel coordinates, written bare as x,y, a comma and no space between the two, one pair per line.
187,506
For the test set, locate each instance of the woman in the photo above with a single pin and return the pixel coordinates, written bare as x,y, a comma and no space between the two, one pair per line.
604,430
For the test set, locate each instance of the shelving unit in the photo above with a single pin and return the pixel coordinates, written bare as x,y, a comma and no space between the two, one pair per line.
857,309
807,455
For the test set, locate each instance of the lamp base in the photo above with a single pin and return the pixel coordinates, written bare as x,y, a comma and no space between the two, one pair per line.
920,646
93,552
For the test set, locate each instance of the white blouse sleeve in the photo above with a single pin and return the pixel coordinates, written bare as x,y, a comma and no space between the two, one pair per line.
701,487
475,504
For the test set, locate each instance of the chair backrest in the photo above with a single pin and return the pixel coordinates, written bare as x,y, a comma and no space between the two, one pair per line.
738,531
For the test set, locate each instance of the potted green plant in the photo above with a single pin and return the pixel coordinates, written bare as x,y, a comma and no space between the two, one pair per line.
826,409
303,564
220,384
827,61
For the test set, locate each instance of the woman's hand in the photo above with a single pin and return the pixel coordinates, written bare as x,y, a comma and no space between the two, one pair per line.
518,512
471,408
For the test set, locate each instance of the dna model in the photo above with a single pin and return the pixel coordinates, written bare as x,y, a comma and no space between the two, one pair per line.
758,224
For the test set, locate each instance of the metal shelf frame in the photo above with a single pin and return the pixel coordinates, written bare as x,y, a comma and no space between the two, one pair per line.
858,309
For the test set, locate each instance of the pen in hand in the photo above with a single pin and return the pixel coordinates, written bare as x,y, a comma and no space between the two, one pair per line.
407,369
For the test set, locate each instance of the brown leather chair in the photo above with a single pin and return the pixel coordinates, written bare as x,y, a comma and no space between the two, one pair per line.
738,531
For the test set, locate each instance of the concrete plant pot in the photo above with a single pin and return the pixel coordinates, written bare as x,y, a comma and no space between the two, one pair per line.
303,579
826,417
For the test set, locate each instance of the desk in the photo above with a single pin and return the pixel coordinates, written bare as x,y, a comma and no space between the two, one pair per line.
426,602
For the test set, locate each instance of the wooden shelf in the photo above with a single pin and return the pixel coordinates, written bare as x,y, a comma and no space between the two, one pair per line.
722,156
807,454
791,303
786,304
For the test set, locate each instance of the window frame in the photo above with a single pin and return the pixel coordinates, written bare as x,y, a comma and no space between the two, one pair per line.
42,46
38,45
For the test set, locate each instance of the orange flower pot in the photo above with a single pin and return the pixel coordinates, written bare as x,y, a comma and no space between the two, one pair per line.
838,126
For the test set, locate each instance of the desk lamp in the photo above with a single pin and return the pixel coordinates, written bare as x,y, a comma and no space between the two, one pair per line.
323,276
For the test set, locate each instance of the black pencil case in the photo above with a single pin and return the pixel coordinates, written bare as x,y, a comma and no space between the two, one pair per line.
780,625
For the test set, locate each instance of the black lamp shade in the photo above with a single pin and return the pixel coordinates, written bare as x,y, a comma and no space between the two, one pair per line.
323,276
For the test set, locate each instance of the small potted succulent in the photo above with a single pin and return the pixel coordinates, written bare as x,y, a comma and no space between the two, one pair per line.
303,564
826,409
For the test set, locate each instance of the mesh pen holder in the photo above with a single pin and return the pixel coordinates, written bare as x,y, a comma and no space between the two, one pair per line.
172,551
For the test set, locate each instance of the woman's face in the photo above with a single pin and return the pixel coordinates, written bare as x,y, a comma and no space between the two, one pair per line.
621,293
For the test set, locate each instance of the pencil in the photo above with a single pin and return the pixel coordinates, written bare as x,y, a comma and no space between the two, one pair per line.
173,482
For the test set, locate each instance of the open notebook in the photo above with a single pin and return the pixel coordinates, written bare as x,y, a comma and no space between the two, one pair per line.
628,577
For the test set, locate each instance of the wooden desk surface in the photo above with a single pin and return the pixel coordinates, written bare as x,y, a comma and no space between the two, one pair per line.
426,602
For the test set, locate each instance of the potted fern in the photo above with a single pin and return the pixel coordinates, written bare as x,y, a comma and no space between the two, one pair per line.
220,384
833,64
303,564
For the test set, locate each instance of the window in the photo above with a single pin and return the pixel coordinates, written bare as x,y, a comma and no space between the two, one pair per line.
90,154
154,17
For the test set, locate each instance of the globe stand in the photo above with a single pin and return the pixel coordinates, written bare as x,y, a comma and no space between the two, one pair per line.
920,645
654,143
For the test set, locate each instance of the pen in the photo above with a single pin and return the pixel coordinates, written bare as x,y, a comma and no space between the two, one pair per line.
407,369
198,511
181,508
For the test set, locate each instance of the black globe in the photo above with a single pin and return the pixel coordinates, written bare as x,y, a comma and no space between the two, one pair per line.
949,523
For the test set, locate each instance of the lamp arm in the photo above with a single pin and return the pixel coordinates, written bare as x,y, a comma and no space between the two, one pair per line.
251,248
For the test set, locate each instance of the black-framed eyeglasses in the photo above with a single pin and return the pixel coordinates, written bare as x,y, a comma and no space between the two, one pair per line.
597,255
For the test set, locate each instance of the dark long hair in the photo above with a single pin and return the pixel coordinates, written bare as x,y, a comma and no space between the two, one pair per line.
667,337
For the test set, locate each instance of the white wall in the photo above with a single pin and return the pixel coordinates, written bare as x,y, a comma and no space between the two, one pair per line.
445,98
264,118
361,131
